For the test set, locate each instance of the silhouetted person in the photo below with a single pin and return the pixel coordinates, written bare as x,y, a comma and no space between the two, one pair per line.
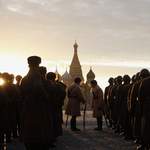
110,81
144,100
97,103
13,94
4,124
135,105
18,103
50,123
124,115
113,102
18,79
51,76
11,78
33,93
126,80
17,113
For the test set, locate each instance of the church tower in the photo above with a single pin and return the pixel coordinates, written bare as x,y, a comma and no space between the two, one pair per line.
75,67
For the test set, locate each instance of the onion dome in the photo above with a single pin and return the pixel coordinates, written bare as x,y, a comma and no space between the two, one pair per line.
90,74
66,76
58,76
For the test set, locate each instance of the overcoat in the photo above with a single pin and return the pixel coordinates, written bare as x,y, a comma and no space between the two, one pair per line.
4,125
13,94
110,113
144,99
97,101
75,96
112,101
55,110
33,118
124,114
61,95
134,108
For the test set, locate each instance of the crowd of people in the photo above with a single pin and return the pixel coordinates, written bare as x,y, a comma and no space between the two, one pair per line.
32,108
128,102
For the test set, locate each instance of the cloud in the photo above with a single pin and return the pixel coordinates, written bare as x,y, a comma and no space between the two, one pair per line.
105,30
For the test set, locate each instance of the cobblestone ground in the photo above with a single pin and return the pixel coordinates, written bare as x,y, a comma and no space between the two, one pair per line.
85,140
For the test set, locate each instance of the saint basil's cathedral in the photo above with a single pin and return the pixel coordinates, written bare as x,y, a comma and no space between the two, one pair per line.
76,71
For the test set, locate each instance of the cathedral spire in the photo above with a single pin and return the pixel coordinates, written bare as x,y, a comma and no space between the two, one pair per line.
75,47
75,67
75,61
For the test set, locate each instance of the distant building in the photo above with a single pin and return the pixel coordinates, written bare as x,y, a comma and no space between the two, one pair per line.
76,71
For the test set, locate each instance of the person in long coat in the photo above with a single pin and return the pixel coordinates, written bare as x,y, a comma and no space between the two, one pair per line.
97,103
13,94
134,105
110,81
53,94
126,79
113,103
4,124
75,96
18,103
144,100
33,119
51,133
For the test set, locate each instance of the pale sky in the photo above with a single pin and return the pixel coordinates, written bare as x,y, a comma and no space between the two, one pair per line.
112,35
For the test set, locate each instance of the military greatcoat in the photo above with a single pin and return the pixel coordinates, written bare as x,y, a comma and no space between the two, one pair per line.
33,119
134,108
4,124
97,101
144,99
75,97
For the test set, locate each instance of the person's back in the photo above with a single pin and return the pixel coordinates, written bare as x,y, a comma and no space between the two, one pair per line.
144,100
33,124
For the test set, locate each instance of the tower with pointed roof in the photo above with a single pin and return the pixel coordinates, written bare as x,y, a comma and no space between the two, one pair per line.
75,67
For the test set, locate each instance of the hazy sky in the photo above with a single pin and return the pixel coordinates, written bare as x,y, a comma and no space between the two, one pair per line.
109,33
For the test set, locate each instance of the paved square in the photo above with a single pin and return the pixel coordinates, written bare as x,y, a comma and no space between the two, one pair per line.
85,140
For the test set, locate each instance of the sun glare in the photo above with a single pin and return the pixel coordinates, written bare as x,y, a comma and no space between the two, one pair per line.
13,65
1,81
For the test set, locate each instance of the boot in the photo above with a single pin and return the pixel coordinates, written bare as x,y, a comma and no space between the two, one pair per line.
99,123
110,123
73,124
76,129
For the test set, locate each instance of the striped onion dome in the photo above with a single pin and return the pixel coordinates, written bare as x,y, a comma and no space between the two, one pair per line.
66,76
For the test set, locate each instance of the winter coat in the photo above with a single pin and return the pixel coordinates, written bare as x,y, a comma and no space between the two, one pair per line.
33,118
75,96
97,101
144,100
